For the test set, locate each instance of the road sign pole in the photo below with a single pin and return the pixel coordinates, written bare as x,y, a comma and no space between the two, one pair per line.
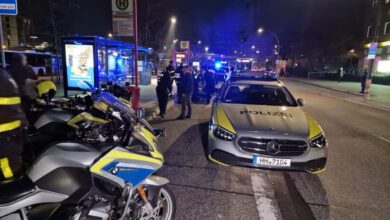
3,64
136,96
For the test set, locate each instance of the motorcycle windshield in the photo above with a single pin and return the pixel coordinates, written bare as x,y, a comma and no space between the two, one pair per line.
118,105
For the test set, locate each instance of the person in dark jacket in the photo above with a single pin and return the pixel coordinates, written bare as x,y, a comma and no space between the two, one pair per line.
12,121
363,80
185,90
209,78
164,87
20,72
170,67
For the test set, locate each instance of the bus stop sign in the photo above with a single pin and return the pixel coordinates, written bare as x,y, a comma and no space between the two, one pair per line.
8,7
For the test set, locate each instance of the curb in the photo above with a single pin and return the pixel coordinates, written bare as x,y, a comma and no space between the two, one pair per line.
364,103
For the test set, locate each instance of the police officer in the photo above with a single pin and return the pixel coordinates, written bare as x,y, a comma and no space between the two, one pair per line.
185,90
11,128
164,87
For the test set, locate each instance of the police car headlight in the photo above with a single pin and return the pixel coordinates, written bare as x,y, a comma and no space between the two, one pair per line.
318,142
222,133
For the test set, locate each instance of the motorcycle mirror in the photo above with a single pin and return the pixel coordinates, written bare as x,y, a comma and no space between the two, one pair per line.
141,113
160,132
300,102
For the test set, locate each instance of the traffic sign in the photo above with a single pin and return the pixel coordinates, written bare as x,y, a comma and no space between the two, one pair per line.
8,7
372,50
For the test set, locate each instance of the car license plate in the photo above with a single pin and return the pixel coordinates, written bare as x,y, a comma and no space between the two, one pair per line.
267,161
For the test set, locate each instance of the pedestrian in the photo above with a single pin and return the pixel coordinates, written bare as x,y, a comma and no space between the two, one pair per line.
163,89
363,81
185,90
21,73
341,74
12,121
209,88
170,67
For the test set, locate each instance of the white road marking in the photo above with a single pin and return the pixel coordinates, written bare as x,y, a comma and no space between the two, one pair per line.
264,193
382,138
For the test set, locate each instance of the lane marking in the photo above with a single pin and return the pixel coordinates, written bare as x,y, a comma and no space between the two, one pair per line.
382,138
264,193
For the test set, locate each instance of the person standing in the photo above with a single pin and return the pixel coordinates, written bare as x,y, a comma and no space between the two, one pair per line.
20,72
341,75
170,67
185,90
11,128
209,78
164,87
363,81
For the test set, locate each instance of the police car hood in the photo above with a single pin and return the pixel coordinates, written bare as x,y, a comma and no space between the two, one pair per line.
270,119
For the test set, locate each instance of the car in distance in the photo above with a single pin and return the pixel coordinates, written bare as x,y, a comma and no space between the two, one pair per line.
256,122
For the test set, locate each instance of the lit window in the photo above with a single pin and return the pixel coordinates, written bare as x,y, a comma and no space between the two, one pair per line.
369,31
387,28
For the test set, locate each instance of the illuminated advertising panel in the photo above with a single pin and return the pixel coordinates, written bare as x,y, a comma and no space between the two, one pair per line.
79,65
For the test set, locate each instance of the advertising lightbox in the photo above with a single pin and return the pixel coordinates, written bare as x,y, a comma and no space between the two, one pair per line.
79,65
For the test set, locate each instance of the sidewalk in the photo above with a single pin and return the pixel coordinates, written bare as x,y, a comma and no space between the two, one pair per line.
148,98
379,94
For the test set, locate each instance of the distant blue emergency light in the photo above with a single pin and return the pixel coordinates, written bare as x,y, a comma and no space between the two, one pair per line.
218,65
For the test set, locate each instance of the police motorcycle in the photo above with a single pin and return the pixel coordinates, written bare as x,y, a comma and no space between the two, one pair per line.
108,172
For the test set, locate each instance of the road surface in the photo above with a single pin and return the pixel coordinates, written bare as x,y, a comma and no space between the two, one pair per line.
356,184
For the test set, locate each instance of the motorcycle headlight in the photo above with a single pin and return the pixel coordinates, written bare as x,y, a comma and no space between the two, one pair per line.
318,142
222,133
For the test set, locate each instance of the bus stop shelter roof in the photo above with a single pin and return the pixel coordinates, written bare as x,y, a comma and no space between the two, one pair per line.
104,42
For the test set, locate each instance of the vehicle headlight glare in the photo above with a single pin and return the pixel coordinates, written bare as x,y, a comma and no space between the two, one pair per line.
318,141
222,133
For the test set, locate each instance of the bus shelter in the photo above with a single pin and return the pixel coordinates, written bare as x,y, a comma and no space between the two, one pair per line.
98,61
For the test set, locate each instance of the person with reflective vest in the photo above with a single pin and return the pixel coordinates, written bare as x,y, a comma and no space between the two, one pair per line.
12,120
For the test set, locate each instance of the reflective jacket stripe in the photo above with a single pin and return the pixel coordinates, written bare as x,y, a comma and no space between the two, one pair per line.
9,100
10,126
5,168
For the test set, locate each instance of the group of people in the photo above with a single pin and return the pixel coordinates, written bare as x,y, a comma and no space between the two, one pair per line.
15,99
184,78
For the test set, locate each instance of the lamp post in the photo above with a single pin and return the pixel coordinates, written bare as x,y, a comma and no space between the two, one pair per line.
261,30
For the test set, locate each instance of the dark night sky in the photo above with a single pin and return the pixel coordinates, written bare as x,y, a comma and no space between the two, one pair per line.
302,23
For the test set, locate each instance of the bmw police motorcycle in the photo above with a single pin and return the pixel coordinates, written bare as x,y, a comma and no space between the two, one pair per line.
106,172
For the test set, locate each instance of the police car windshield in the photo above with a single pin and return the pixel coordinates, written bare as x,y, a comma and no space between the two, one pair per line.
258,95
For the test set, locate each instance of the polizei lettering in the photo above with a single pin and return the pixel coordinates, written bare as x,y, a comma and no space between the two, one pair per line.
280,114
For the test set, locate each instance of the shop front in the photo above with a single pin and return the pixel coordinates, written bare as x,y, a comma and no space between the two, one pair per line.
381,65
99,61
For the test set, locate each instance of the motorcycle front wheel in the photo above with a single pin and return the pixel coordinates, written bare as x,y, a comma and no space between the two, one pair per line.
165,208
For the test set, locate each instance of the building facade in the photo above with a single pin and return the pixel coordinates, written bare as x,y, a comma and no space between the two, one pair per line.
16,32
377,29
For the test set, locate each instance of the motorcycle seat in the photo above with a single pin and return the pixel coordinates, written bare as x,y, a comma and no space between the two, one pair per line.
11,190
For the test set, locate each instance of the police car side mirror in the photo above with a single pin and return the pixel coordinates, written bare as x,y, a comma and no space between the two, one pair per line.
300,102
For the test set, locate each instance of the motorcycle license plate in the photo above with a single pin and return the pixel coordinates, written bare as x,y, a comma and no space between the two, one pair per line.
267,161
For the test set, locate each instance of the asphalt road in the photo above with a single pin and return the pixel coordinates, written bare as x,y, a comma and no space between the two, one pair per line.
356,184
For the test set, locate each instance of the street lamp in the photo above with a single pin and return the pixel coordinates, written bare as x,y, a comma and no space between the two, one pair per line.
206,49
261,30
199,42
109,35
253,47
173,20
257,51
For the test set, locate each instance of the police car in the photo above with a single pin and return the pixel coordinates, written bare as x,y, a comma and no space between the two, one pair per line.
256,122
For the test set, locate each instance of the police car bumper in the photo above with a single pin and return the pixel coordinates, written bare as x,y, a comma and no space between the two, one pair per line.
228,153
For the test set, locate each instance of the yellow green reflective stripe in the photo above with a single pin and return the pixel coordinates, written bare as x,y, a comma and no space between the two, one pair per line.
5,168
10,126
223,121
216,161
314,127
9,100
